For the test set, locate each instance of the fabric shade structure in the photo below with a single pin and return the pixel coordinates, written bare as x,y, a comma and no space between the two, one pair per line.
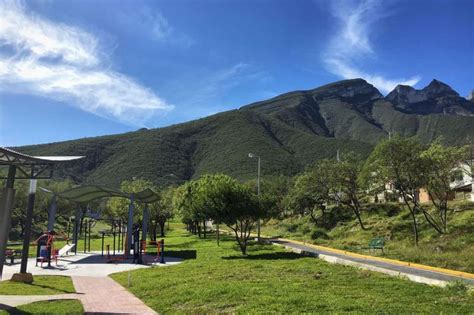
88,193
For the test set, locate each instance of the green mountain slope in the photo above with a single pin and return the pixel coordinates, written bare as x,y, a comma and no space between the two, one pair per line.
289,132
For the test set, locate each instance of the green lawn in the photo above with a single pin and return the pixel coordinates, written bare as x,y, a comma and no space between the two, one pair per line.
273,280
48,307
42,285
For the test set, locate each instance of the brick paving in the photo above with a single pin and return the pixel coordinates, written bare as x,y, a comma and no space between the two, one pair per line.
104,295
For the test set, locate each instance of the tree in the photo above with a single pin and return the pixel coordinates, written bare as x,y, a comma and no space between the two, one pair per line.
234,204
161,211
442,162
344,183
310,193
398,161
188,201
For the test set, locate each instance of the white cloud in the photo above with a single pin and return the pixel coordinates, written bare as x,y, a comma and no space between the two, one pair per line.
152,23
351,44
62,62
214,84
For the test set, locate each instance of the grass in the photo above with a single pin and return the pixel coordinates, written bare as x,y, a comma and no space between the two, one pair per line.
454,250
272,280
48,307
42,285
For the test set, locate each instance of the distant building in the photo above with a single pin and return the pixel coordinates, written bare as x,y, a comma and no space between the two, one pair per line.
471,96
462,186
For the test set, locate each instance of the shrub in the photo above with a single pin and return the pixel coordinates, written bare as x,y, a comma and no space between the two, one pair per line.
458,287
319,233
389,209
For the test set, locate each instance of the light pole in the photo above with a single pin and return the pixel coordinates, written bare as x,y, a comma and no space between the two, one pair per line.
251,155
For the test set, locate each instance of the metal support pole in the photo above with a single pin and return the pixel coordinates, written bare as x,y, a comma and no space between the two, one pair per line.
52,214
145,222
119,247
77,220
28,222
7,195
128,246
162,256
103,237
89,236
258,194
85,236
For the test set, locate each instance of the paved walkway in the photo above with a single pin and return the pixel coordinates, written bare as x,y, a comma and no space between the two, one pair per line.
97,295
104,295
414,272
89,265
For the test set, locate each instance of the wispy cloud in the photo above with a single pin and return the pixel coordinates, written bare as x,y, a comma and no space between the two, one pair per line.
63,62
216,83
351,45
152,23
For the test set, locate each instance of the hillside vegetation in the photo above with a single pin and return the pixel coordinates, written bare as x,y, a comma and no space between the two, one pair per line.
453,250
289,132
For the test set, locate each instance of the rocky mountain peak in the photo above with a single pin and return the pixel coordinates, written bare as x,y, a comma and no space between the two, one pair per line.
436,97
438,88
348,89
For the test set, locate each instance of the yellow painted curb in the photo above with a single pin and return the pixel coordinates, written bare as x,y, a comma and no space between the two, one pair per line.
450,272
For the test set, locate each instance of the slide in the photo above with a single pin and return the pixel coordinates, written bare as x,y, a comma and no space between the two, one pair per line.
63,251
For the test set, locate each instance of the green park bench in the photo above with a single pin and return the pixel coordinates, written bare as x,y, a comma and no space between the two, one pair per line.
12,254
377,243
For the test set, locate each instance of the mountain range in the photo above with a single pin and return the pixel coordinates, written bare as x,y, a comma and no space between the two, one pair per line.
288,132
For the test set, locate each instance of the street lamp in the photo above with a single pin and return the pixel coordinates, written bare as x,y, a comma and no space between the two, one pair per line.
252,155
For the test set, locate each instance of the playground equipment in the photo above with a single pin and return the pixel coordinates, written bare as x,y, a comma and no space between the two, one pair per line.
87,193
45,250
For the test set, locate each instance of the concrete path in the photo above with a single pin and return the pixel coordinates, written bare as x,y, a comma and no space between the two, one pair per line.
414,272
104,295
97,295
89,265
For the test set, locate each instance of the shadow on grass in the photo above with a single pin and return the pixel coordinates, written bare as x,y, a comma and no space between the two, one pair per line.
51,287
184,254
267,256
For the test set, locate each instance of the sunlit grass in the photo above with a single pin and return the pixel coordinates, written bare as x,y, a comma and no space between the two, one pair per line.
270,279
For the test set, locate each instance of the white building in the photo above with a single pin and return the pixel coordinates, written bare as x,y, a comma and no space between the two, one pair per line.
462,183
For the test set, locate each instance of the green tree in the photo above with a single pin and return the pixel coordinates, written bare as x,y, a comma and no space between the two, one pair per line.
398,161
161,211
442,162
310,193
344,183
233,204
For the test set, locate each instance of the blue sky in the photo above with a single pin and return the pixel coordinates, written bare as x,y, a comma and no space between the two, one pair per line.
73,69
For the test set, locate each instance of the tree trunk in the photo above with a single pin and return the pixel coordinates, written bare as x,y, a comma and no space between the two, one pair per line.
204,227
218,236
413,215
415,227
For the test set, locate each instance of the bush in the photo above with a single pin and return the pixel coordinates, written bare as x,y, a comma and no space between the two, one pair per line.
389,209
319,233
458,287
464,205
